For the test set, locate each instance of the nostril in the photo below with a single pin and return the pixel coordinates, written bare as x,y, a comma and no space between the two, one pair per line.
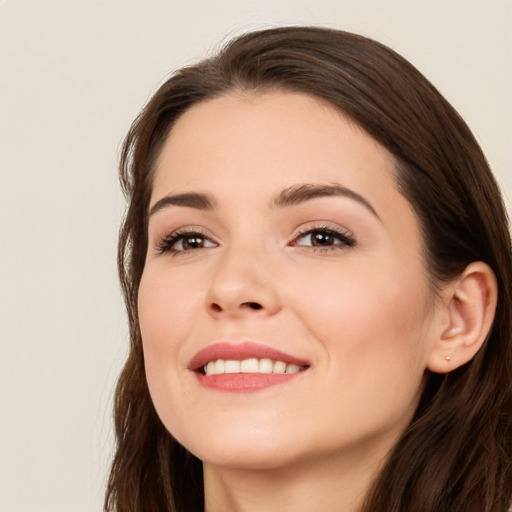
252,305
244,305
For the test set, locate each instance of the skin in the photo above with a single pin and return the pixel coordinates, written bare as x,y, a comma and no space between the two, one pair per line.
361,314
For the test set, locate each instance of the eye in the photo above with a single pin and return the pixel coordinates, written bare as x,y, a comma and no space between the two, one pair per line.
184,241
324,238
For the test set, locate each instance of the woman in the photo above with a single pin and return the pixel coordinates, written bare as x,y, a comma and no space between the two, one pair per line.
316,263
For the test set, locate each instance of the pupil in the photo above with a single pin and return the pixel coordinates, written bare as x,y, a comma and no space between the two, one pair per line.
193,243
322,239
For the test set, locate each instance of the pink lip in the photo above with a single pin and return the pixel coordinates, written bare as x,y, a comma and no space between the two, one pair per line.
239,352
242,382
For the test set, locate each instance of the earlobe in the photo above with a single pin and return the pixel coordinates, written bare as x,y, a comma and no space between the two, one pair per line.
467,316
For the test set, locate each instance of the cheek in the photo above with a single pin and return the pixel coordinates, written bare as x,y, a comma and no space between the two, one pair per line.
373,332
166,312
365,317
166,304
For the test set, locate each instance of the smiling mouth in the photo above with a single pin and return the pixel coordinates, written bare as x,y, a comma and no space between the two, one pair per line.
245,366
251,365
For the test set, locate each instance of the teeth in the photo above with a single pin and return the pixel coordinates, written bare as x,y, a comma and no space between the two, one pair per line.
249,366
252,365
231,366
292,368
279,367
219,366
266,365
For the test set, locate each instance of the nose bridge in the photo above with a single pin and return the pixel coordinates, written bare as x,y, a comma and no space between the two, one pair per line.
242,283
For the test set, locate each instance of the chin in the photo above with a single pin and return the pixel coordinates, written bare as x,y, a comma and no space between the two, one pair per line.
243,447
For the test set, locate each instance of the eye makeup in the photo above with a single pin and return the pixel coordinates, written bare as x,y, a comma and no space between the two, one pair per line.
322,237
184,240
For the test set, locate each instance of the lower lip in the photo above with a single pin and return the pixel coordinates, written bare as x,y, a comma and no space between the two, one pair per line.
244,382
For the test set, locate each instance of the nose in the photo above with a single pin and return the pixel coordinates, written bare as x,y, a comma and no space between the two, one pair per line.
242,286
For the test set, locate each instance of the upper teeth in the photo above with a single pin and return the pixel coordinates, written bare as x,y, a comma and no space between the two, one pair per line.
252,365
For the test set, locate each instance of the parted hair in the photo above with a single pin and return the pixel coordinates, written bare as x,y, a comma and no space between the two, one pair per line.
456,455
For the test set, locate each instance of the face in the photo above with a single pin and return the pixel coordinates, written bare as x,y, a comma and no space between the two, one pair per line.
278,242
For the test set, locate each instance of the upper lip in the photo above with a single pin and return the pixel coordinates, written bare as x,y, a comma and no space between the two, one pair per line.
239,352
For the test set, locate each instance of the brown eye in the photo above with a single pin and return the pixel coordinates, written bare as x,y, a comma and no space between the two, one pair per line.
320,239
190,242
324,238
182,242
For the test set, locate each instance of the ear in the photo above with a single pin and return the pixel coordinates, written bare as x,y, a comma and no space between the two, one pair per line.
466,318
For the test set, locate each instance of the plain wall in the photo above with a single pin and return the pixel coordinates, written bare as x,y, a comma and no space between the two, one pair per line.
73,75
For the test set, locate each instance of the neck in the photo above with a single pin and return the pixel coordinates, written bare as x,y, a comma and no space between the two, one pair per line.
324,485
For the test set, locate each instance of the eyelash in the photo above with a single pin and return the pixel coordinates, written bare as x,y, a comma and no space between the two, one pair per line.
166,243
347,240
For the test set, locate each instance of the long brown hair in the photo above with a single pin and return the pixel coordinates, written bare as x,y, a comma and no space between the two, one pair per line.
457,453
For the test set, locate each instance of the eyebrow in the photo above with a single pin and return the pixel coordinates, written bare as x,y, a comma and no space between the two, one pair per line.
290,196
297,194
189,199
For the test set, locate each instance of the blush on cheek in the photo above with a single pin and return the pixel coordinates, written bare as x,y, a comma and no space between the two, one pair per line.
157,308
372,315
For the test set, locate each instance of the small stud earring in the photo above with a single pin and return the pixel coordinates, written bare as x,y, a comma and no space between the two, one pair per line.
447,358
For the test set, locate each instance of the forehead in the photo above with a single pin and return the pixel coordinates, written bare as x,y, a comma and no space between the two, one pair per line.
274,138
244,151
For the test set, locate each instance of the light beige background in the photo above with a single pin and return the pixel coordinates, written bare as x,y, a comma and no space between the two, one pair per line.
72,77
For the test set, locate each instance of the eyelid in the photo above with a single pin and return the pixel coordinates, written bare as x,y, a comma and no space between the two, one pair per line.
343,234
164,243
